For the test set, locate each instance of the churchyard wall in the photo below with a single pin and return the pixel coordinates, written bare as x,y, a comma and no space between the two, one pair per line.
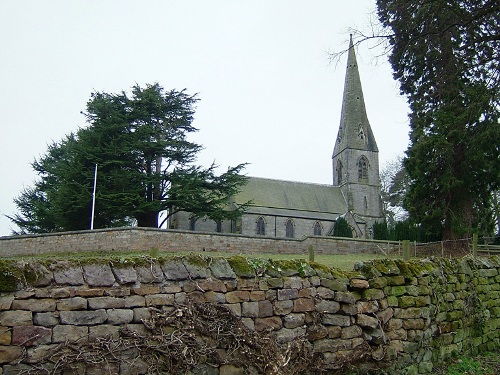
173,241
238,316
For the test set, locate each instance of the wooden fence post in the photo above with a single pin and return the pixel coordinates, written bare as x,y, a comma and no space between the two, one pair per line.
310,251
474,244
406,250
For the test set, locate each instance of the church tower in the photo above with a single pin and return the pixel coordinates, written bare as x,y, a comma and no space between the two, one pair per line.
355,155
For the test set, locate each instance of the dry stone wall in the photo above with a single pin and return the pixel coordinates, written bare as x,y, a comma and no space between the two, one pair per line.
403,317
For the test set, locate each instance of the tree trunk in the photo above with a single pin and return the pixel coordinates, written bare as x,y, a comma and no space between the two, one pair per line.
147,219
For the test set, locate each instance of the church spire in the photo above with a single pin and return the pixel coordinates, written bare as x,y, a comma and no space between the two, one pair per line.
354,131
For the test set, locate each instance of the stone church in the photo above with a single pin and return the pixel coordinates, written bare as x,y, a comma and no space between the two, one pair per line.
297,209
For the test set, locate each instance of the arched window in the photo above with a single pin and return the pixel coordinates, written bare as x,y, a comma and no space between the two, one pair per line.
192,223
365,204
218,226
289,228
339,172
363,168
261,226
317,229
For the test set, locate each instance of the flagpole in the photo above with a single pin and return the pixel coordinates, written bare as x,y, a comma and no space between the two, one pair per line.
93,199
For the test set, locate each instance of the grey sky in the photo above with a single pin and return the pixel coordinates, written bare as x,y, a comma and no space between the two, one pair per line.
268,94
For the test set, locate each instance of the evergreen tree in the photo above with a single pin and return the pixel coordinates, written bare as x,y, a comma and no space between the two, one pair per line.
445,55
145,165
342,228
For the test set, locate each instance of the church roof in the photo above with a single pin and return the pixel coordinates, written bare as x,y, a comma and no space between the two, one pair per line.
355,131
292,196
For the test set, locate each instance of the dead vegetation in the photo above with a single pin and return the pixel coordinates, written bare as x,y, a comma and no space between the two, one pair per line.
190,338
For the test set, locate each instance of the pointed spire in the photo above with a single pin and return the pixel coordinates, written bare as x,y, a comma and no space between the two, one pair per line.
354,131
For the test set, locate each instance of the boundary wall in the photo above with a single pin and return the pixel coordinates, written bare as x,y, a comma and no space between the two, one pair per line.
403,317
133,239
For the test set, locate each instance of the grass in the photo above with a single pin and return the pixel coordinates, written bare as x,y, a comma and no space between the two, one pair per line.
485,364
345,261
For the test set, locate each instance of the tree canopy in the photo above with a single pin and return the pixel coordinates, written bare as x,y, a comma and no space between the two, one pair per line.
145,163
446,57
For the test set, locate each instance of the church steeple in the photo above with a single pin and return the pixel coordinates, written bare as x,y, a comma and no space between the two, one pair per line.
354,131
355,155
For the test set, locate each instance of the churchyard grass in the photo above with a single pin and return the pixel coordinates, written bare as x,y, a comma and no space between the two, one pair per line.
344,261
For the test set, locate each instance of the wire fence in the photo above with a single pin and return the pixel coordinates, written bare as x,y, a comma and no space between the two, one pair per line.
450,248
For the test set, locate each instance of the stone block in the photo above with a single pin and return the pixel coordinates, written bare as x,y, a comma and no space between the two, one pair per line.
348,309
275,282
40,352
257,295
367,321
385,315
359,283
351,332
238,296
135,301
332,345
265,308
173,287
103,331
316,332
303,305
292,282
62,292
5,335
221,269
326,306
117,291
293,320
140,314
92,292
10,353
120,316
284,294
289,335
345,297
212,285
195,270
83,318
6,302
373,294
336,320
151,273
366,307
70,333
196,297
98,275
34,304
235,308
174,269
124,275
413,324
325,293
31,335
215,297
98,303
378,282
283,307
11,318
146,289
397,334
272,323
250,309
46,319
66,274
338,285
75,303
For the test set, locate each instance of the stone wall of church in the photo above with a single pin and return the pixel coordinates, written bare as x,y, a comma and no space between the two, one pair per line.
172,241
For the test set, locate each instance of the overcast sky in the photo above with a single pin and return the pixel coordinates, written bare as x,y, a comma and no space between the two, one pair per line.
269,95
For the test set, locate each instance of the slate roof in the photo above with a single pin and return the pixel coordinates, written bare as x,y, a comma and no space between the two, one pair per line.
292,196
